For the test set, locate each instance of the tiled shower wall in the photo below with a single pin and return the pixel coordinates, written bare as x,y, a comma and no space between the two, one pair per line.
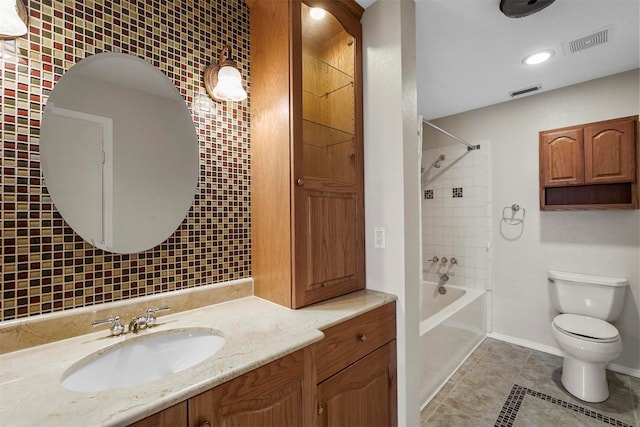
44,265
456,208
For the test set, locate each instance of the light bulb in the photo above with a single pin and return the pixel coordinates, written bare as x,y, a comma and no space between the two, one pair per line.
538,57
229,87
317,13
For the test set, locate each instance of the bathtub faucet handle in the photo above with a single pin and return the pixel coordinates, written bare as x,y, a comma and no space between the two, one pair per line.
453,261
434,259
444,260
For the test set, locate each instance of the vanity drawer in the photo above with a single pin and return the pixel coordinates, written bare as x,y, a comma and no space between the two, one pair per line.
353,339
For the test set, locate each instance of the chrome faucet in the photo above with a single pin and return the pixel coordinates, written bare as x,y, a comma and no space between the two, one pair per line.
145,321
136,323
151,318
116,327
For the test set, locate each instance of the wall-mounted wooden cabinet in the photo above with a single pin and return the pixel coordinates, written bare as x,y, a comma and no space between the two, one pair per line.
307,196
590,166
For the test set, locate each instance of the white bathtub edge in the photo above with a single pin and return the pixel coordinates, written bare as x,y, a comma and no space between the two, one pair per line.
426,402
471,294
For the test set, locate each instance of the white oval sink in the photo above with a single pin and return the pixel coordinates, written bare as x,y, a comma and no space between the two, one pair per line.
142,359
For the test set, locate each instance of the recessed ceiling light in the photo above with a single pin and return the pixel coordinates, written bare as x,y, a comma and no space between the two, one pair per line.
317,13
538,57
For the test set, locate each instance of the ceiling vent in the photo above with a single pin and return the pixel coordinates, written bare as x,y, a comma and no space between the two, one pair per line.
525,91
591,40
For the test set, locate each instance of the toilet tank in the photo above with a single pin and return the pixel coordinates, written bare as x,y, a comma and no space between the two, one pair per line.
594,296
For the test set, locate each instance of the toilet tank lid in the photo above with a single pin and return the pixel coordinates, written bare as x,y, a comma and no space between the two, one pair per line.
587,278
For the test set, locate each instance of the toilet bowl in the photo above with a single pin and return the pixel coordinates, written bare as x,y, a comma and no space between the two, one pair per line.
589,344
587,304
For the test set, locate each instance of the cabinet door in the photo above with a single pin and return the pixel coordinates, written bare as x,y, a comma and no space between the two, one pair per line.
610,152
329,80
364,394
271,395
561,157
329,256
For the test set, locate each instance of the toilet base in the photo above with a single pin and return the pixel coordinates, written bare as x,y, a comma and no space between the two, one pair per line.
586,381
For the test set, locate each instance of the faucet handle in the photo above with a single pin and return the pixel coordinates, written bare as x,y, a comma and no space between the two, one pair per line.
444,260
155,310
116,327
453,261
434,259
151,318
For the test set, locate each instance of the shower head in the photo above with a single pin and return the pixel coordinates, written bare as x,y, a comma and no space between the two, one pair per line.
438,162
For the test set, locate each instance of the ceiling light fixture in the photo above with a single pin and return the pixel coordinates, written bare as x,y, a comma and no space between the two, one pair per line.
538,57
13,19
317,13
223,81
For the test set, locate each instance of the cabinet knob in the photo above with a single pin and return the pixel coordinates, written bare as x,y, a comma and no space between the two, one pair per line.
300,182
205,424
320,410
363,337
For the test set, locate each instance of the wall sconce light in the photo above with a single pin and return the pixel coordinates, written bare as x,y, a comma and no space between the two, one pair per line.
13,19
223,81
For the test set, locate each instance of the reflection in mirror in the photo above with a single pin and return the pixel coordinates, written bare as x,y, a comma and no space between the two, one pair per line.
119,152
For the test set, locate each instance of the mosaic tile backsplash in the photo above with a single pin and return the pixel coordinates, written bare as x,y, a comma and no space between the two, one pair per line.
44,265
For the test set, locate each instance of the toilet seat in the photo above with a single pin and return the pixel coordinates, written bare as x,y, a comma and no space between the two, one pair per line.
586,328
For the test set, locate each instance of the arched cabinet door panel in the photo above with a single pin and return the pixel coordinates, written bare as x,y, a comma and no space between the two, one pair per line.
562,158
609,151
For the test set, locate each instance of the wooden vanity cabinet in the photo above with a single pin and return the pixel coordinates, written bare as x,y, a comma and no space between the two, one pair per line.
307,195
363,394
590,166
347,379
275,394
272,395
356,371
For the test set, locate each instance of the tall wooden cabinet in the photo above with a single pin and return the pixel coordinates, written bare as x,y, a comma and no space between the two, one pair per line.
590,166
307,195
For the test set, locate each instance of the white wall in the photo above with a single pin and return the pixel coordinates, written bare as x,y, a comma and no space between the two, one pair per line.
593,242
392,179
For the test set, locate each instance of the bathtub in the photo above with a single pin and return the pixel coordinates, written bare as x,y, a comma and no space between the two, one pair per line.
451,327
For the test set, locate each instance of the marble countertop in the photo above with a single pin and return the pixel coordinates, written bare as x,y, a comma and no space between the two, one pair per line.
257,332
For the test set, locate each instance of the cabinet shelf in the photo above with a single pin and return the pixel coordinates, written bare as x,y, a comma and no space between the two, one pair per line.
323,136
321,78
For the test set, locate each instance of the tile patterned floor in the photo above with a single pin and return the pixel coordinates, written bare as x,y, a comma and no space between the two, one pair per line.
505,385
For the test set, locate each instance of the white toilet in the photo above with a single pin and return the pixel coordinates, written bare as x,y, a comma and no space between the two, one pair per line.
586,303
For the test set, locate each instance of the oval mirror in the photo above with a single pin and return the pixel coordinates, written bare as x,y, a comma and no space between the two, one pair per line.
119,152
